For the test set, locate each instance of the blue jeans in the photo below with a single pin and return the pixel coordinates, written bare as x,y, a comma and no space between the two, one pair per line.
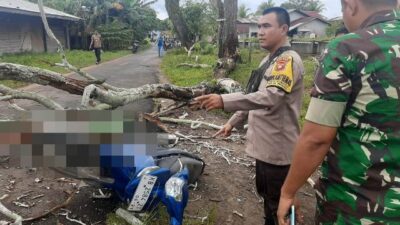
160,51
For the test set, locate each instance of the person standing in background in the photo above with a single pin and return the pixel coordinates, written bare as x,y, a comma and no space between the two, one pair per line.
95,44
160,45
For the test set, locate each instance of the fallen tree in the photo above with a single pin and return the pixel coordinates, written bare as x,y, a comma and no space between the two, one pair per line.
96,94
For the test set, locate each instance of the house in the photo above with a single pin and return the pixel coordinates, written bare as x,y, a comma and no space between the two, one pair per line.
302,23
246,27
21,27
307,23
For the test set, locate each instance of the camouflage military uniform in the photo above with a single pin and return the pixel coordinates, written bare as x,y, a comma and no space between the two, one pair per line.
357,90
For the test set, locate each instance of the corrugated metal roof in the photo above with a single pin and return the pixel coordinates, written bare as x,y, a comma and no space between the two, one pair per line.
29,8
247,20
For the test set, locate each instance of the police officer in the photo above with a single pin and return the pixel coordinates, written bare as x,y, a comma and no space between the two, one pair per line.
271,105
353,122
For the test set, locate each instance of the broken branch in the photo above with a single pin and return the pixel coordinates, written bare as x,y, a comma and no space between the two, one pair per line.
194,124
14,94
194,65
17,218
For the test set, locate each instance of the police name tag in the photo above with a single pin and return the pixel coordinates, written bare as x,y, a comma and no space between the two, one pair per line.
142,193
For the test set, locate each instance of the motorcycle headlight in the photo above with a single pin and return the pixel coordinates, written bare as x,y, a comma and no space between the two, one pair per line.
174,188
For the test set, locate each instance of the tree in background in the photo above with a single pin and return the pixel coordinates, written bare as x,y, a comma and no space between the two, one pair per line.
264,5
120,22
205,22
306,5
243,11
331,30
180,25
227,37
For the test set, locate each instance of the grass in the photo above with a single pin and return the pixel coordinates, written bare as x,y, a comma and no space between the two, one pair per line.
191,76
77,58
184,76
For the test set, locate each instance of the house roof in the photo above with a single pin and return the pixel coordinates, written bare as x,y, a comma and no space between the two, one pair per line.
315,14
245,20
305,20
338,18
32,9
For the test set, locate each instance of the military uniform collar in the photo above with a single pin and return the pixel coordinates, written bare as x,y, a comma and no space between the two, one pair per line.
380,17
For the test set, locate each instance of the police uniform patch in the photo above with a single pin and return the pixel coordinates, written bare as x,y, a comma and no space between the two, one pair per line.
282,74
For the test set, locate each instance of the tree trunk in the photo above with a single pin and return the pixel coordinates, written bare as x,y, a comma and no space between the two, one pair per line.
181,28
220,8
227,49
230,32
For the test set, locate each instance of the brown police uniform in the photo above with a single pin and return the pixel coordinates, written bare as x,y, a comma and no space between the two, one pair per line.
272,113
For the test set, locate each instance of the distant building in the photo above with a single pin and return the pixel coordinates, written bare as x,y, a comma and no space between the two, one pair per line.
247,27
302,23
22,30
308,23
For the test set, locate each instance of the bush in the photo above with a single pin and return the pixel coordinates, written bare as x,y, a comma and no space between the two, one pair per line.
177,51
208,49
146,41
116,36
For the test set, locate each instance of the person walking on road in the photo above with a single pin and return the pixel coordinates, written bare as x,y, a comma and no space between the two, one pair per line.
95,44
160,45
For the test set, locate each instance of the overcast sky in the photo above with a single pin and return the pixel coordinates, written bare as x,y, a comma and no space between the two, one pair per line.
332,7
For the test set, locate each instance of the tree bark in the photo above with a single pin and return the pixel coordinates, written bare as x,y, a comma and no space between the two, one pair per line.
227,47
10,71
181,28
220,8
230,32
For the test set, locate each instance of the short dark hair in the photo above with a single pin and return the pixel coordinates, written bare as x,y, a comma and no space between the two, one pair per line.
281,14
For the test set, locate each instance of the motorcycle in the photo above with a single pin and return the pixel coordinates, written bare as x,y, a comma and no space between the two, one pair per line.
162,177
135,46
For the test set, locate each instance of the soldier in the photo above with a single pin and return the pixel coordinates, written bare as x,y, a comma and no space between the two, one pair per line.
272,107
96,44
353,124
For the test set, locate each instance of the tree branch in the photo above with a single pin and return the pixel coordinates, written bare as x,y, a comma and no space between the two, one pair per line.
183,94
10,71
14,94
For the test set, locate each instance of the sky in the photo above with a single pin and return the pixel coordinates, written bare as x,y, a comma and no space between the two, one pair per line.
332,7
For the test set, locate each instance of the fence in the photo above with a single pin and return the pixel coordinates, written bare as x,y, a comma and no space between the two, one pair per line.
302,47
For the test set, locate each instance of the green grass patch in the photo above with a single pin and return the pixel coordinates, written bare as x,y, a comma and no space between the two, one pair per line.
184,76
249,62
77,58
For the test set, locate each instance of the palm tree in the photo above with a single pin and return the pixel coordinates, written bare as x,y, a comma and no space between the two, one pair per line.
265,5
306,5
316,6
243,12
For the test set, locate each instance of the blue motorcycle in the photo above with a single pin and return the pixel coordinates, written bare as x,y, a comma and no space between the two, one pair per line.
162,177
